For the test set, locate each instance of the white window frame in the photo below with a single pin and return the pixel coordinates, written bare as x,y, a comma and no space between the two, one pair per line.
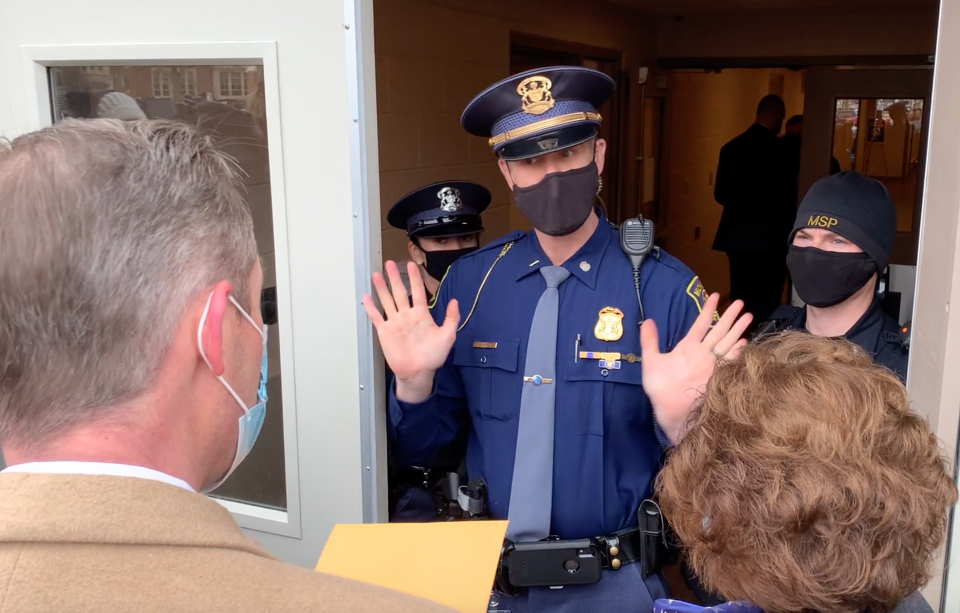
159,79
188,82
158,82
38,59
218,92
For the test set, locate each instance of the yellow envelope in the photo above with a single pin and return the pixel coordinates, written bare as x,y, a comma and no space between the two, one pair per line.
450,563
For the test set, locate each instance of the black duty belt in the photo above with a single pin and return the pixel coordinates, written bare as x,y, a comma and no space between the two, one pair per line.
619,549
556,563
451,499
416,476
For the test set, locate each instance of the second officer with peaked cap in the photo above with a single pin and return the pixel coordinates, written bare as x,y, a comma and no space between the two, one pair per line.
534,337
442,221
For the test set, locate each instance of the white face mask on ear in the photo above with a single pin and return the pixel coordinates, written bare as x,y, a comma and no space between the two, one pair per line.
250,423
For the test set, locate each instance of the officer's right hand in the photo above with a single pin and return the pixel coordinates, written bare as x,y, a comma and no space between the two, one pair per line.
413,345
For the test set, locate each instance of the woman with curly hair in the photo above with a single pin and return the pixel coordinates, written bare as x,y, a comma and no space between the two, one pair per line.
806,484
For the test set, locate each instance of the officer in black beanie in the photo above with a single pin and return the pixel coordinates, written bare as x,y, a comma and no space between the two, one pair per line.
840,244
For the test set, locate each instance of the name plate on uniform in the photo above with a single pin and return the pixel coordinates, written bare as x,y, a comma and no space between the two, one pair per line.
484,345
609,356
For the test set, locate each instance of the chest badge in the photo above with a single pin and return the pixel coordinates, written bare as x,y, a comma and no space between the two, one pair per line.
609,324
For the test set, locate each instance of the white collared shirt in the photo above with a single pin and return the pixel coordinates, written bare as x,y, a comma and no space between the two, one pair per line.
97,468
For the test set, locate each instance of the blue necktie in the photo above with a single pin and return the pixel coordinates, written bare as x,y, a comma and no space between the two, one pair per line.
531,495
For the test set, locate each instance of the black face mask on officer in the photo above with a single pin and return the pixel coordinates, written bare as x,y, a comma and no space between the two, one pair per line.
437,262
827,278
560,203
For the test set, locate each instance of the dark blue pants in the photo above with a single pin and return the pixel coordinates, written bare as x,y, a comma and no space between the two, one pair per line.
618,591
415,506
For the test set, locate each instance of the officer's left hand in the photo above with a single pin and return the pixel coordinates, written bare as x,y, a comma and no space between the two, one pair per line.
674,381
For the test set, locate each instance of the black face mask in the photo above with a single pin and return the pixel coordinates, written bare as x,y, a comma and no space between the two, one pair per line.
560,203
826,278
439,261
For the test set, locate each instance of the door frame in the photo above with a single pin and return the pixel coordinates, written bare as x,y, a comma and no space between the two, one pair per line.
791,62
933,384
367,251
38,59
323,60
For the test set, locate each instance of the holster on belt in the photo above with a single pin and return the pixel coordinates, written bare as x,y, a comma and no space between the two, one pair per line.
456,502
656,550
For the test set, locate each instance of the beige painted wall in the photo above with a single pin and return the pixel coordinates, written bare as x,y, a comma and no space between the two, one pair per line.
880,31
433,56
705,111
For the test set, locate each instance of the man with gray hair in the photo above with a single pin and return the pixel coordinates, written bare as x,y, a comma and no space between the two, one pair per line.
131,343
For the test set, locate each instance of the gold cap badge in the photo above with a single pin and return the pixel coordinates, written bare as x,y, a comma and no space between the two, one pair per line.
609,324
535,96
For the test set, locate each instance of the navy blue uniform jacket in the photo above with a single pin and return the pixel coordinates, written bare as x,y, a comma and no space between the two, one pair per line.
606,449
876,332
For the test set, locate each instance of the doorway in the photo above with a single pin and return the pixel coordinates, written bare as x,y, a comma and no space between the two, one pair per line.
422,44
704,108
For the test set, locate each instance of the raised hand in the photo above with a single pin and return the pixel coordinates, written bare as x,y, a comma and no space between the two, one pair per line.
413,345
674,381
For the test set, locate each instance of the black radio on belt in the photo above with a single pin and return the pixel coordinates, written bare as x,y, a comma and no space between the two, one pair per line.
556,563
551,563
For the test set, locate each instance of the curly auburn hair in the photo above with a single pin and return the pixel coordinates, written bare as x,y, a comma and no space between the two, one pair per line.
806,483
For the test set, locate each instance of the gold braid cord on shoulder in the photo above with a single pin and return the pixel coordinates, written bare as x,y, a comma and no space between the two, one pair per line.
476,298
433,299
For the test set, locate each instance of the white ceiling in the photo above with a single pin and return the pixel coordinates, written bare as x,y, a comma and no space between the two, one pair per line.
683,7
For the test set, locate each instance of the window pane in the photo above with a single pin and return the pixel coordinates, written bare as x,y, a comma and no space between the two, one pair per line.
239,127
844,132
889,149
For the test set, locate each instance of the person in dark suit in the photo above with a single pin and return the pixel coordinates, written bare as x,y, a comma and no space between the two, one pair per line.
756,216
790,144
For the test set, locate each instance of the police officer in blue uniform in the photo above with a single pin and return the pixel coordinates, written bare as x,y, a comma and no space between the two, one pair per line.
841,242
443,223
534,338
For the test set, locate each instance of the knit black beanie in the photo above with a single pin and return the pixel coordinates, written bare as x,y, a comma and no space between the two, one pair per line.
857,208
